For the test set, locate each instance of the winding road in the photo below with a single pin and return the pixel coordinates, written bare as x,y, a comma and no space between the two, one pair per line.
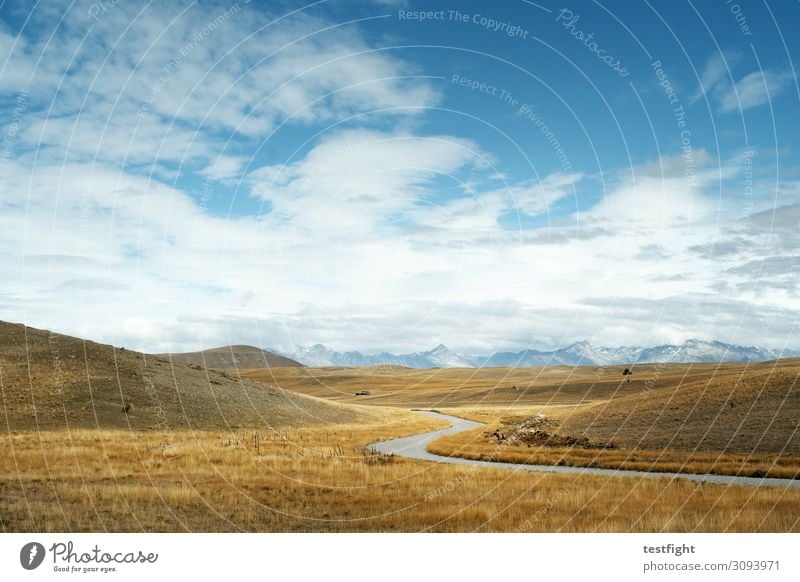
415,447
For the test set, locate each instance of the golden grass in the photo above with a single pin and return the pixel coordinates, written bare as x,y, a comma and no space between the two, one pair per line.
474,445
735,419
727,408
147,470
50,381
319,479
487,387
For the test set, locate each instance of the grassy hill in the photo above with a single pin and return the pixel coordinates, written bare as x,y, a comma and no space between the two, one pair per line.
233,357
750,410
50,381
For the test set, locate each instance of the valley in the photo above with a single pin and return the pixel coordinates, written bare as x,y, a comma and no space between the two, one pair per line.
99,438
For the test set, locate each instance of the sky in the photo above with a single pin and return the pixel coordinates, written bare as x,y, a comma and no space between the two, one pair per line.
391,175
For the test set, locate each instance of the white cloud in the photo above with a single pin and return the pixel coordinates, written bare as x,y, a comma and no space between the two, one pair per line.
754,89
659,195
715,72
353,181
168,85
225,168
374,236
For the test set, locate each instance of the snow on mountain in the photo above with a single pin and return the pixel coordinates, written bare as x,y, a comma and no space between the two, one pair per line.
577,354
439,357
444,357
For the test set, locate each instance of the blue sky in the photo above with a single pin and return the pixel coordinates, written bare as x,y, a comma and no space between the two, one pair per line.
381,175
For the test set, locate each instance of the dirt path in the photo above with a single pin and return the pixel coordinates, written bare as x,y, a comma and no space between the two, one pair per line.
415,447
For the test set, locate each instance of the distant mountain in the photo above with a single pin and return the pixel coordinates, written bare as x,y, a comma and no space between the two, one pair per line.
577,354
234,357
439,357
583,354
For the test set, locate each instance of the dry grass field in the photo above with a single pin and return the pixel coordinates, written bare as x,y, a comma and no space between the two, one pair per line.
203,450
318,479
476,445
745,423
736,419
506,387
53,381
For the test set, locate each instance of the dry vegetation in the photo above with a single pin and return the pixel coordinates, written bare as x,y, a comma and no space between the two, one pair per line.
319,479
232,357
508,387
478,444
98,438
51,381
739,419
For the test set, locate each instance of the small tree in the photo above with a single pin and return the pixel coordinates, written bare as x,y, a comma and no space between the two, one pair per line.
627,372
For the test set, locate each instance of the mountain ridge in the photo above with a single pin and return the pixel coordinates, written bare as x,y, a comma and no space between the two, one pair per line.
579,353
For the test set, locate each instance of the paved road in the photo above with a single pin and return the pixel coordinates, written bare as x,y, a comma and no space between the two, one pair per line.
415,447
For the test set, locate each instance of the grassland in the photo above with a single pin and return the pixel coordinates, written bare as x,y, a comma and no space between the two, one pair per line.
283,449
51,381
475,445
318,479
734,419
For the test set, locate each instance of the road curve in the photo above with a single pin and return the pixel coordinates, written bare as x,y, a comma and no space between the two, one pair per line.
415,447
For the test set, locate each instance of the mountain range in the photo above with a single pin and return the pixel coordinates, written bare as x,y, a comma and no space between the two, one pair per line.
577,354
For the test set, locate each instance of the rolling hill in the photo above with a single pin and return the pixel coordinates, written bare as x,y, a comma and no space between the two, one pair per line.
233,358
50,381
733,407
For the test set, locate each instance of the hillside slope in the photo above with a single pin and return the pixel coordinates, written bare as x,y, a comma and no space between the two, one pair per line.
233,358
49,381
756,410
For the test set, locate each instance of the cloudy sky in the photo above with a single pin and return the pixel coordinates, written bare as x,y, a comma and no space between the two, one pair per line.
487,175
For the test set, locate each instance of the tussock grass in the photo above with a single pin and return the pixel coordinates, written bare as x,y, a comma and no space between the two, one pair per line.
319,479
734,419
52,381
474,445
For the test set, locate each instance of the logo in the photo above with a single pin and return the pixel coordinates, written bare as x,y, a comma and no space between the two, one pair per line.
31,555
